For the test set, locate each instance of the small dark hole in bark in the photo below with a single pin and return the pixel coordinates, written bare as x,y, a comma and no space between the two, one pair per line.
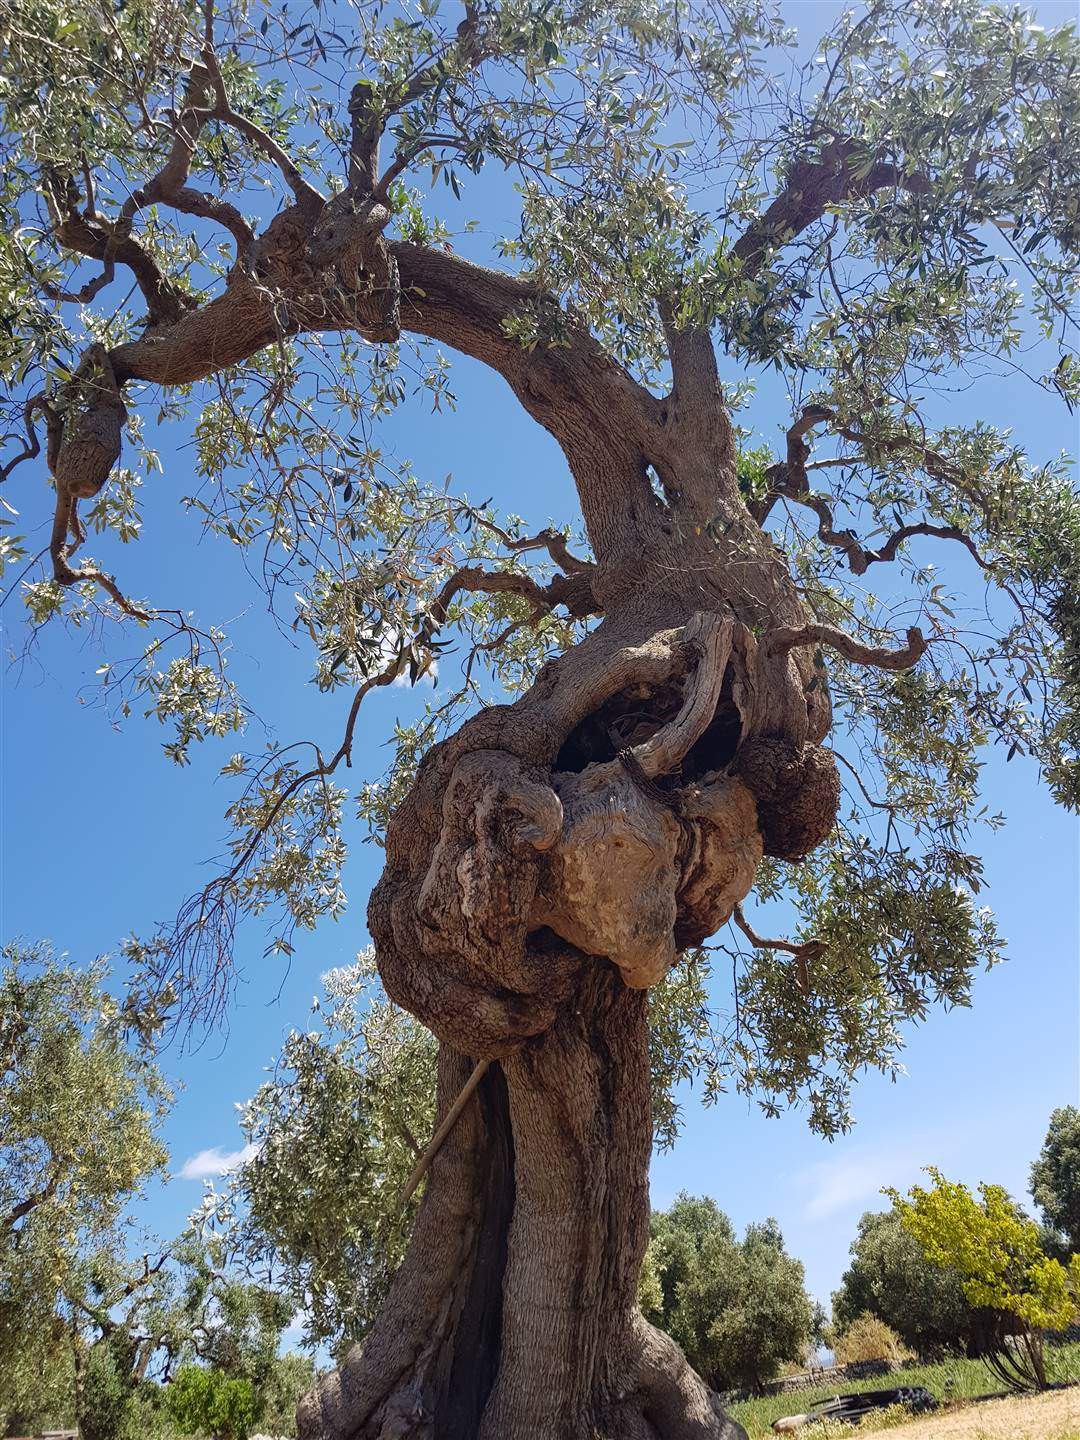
544,941
716,748
632,716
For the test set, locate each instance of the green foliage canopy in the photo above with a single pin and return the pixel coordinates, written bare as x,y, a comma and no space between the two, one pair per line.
891,1278
997,1252
66,1052
204,1401
738,1308
1055,1176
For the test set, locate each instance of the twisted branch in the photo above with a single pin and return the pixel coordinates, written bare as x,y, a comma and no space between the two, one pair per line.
788,637
812,187
788,480
801,951
307,196
711,636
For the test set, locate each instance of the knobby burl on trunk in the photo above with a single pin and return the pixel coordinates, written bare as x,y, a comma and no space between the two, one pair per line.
555,855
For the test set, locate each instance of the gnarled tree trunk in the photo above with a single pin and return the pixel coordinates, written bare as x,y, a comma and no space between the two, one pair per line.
551,862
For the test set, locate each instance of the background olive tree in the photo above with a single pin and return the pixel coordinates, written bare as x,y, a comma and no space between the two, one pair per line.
81,1101
890,1278
738,1308
1055,1181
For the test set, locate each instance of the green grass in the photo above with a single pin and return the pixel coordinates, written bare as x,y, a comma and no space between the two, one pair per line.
955,1379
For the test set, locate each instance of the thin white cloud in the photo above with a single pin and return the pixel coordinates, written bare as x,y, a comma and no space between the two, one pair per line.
837,1185
207,1163
852,1180
855,1181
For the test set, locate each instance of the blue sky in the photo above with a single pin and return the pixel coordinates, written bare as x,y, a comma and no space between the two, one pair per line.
102,836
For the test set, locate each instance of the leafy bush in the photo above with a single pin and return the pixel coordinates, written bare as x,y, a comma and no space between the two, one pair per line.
291,1378
868,1338
208,1401
739,1309
1004,1270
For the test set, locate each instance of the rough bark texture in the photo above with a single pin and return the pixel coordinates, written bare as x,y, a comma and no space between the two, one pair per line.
552,860
556,855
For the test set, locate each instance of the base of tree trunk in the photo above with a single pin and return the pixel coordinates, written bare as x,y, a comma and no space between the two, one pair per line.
514,1314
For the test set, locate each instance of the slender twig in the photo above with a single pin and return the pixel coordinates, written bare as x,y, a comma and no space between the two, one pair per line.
801,951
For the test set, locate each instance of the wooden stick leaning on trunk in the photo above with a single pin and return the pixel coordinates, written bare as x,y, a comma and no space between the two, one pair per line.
435,1143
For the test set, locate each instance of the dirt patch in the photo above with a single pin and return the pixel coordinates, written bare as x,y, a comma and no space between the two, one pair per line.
1053,1416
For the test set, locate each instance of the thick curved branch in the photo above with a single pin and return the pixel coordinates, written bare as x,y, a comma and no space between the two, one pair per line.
602,417
787,478
678,1404
571,591
553,541
370,111
789,947
812,187
169,186
787,637
908,532
65,575
90,234
209,207
694,373
32,446
711,636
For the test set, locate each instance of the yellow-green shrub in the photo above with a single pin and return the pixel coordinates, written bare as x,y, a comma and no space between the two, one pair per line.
868,1338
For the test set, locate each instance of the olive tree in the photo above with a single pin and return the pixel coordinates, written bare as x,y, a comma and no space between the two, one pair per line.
891,1279
81,1102
738,1308
1055,1180
258,220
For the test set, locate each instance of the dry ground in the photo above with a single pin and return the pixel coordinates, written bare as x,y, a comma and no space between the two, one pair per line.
1053,1416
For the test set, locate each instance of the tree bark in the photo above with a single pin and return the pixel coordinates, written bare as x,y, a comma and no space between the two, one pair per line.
514,1315
551,861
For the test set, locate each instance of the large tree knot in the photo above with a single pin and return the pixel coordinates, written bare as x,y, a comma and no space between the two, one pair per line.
92,415
84,430
348,240
497,819
451,922
652,854
797,790
633,830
